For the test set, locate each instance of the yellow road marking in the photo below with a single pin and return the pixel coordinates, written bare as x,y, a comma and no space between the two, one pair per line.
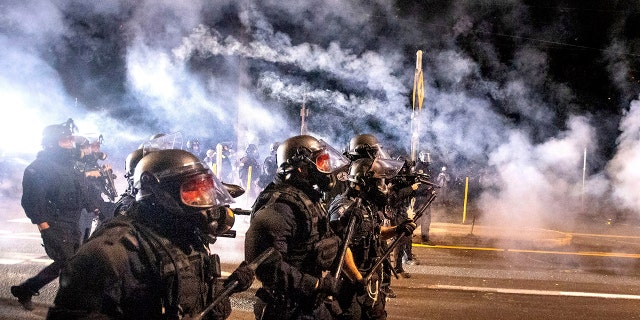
576,253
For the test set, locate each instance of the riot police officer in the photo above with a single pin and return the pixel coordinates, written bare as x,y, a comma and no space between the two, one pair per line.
53,198
99,180
363,298
423,166
288,216
158,141
128,197
360,146
269,166
367,146
193,146
154,261
249,171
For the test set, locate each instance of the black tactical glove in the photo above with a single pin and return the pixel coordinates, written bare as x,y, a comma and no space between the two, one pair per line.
361,285
406,228
244,275
328,285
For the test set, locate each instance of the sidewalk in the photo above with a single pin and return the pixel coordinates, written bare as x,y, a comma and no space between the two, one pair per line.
595,236
474,235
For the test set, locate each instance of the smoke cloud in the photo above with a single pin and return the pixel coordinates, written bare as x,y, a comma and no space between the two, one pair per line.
533,102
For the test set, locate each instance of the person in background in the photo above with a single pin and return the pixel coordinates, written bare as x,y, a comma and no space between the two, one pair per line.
227,165
53,198
129,196
401,193
193,146
99,181
269,166
210,158
423,166
443,180
249,172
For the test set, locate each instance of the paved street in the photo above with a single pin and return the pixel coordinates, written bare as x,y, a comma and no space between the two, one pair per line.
472,271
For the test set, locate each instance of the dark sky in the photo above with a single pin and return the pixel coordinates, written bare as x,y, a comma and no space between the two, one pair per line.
541,93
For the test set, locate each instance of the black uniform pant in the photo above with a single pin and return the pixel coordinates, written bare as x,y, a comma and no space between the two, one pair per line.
362,303
424,222
402,251
61,241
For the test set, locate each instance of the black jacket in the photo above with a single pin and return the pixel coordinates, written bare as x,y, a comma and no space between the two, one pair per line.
53,189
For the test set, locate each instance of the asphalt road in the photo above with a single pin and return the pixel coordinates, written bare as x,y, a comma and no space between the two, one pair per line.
471,272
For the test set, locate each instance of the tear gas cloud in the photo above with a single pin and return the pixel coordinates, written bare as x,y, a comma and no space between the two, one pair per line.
496,101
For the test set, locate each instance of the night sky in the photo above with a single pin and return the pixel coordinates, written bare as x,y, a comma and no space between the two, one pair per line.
541,96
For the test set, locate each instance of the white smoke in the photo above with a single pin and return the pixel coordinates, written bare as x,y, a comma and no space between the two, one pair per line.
241,71
540,184
623,168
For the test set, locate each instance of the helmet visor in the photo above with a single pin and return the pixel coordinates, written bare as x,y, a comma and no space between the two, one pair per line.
67,142
386,168
382,154
203,191
329,159
164,142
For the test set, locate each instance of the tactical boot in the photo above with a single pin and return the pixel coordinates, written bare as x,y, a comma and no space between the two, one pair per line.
390,293
24,296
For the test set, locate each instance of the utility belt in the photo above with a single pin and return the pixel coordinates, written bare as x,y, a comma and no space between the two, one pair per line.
279,304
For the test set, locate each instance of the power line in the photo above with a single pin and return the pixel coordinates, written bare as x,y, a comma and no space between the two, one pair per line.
558,43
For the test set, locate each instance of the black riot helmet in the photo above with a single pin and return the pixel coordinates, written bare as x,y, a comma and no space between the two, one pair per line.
179,175
131,161
252,151
370,177
424,156
316,157
161,141
57,136
365,146
129,166
273,148
193,144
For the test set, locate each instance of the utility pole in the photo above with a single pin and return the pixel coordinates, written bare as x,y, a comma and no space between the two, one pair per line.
304,113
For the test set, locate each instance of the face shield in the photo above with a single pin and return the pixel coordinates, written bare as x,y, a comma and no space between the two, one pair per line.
330,160
67,142
164,142
380,171
204,191
382,154
385,168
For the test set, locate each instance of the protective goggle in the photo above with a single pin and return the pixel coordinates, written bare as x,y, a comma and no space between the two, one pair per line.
329,160
204,191
67,142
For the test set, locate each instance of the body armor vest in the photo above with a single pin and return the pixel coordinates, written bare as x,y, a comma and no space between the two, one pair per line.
185,276
365,241
312,221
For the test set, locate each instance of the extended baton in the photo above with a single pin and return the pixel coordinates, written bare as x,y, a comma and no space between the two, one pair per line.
345,245
229,287
397,240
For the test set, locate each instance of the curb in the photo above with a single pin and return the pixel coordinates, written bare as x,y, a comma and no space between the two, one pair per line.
482,235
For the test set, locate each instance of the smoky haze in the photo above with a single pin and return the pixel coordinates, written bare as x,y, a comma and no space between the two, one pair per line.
539,97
